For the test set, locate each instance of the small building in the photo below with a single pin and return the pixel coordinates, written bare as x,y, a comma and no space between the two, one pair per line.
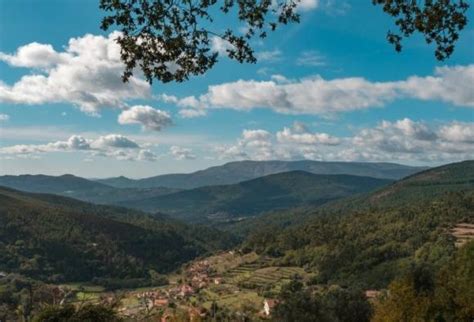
372,294
162,302
269,305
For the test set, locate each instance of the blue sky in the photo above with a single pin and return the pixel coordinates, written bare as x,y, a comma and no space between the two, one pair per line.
329,88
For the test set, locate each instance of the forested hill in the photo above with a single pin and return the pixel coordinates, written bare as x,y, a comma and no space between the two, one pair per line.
235,172
369,246
425,185
59,239
249,198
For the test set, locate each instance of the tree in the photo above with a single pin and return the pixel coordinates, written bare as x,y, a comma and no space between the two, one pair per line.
423,295
170,40
88,312
297,304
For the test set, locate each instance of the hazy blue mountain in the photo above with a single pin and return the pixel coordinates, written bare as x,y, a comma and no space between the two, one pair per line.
79,188
277,191
235,172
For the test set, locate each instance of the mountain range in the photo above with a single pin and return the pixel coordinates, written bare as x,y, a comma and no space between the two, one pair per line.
252,197
235,172
79,188
352,229
230,191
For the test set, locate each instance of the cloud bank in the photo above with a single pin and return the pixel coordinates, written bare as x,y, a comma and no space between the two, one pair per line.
318,96
114,146
403,140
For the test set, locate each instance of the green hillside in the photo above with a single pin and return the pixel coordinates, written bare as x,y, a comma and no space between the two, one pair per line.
249,198
59,239
402,225
425,185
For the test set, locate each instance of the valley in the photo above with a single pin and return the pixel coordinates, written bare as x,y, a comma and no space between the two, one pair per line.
306,235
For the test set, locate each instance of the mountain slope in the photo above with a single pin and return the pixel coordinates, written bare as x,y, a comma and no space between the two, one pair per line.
235,172
277,191
78,188
50,184
369,241
60,239
425,185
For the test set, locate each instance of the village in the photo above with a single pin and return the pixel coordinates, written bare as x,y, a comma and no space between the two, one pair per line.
201,288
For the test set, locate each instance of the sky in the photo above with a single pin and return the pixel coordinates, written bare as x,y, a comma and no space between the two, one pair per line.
330,88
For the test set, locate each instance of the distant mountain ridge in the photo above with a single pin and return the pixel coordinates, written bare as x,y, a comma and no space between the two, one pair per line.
252,197
79,188
235,172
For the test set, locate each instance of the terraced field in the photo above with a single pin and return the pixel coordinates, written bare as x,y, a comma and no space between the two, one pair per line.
246,280
463,232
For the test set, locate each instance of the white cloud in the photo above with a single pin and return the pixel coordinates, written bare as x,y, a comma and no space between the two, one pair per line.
319,96
114,141
449,84
220,46
146,155
4,117
311,58
191,113
112,146
299,134
180,153
308,5
308,96
34,55
403,140
86,74
458,132
269,56
147,116
252,144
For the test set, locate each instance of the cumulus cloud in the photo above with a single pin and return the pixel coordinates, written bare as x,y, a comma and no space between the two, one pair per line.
86,74
319,96
147,116
180,153
114,141
4,117
112,145
449,84
252,144
34,55
403,140
300,134
458,132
